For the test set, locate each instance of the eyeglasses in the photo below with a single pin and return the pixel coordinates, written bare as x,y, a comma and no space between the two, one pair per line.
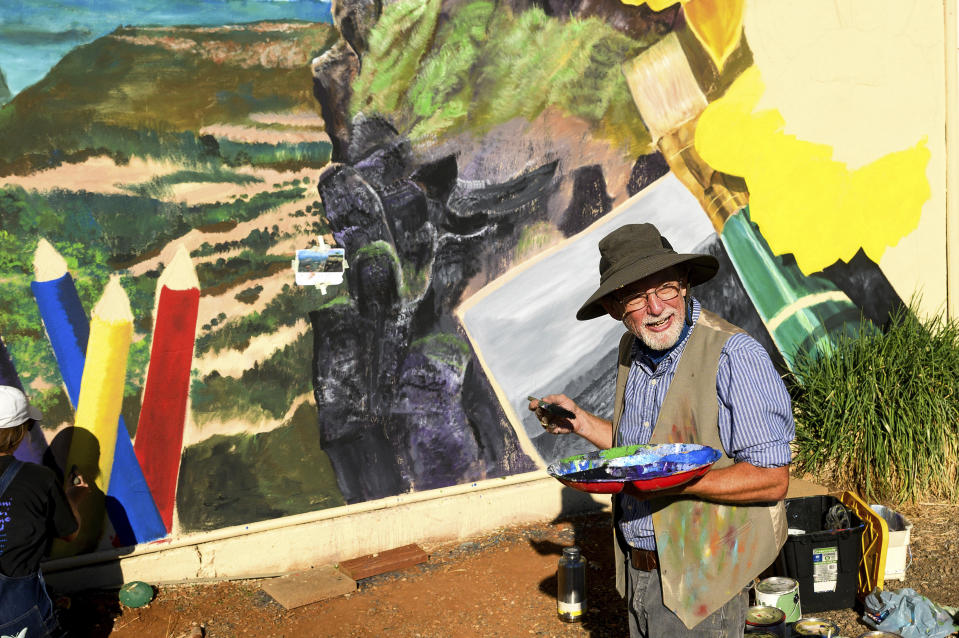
632,301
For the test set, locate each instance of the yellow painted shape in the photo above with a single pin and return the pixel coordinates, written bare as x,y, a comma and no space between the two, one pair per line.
655,5
866,78
718,25
804,201
101,388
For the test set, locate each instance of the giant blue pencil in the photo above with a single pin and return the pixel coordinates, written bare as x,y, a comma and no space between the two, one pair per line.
33,446
129,503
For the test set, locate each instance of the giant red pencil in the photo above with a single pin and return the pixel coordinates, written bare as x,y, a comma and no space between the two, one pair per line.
159,438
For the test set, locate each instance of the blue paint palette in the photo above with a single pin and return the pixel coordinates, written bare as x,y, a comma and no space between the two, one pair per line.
647,467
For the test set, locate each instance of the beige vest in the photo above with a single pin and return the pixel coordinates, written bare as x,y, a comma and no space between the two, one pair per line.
707,552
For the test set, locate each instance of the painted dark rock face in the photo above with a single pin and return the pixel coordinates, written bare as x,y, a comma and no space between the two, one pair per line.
396,381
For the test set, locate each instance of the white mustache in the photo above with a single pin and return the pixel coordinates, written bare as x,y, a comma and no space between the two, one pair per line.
666,314
660,318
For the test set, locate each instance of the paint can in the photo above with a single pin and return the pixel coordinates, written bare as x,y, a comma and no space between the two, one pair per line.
780,592
762,619
815,627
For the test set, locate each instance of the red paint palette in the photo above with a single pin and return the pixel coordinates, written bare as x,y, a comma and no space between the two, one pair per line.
646,485
646,467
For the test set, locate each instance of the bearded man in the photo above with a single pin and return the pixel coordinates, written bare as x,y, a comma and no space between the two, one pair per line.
686,555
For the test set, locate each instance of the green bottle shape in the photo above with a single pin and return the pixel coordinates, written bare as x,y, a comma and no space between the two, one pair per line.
803,313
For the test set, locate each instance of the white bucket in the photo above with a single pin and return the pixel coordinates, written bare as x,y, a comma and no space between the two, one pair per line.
897,546
782,593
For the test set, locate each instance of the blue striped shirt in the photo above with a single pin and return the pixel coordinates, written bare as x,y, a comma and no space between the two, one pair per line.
755,415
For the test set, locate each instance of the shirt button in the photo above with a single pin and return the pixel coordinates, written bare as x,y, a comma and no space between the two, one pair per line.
645,424
653,382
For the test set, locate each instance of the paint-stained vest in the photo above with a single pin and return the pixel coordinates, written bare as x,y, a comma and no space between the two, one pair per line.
707,552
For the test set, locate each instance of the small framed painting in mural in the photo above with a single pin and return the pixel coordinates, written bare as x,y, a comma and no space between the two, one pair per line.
319,266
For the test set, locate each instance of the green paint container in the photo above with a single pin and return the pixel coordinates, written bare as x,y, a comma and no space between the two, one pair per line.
782,593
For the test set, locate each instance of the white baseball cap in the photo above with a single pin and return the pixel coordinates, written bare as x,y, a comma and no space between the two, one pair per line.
14,408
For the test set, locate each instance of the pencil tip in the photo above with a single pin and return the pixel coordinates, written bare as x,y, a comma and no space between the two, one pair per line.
48,264
114,305
179,273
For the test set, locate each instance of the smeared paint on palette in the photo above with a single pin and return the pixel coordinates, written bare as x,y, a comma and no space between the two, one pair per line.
633,462
647,467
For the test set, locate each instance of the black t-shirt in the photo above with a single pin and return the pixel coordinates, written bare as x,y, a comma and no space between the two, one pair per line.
33,511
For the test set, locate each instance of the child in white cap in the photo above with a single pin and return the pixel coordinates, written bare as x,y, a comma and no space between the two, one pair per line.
34,509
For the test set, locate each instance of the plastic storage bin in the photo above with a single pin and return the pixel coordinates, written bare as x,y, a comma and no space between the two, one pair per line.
824,561
897,548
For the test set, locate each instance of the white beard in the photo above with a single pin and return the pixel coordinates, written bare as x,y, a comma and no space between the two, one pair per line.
658,340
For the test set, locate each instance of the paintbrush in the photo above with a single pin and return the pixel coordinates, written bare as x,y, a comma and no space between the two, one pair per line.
670,102
553,409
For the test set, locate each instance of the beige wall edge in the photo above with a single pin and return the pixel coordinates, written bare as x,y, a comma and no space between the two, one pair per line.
952,161
303,541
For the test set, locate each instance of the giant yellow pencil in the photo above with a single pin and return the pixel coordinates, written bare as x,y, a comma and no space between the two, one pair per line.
101,388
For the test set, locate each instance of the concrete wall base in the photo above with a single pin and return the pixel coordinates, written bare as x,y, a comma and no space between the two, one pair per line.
303,541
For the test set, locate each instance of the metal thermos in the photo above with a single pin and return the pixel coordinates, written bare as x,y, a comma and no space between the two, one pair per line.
571,585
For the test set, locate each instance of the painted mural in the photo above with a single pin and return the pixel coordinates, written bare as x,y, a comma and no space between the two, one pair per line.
259,259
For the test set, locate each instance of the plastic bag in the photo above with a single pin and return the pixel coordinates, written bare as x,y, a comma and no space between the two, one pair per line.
908,614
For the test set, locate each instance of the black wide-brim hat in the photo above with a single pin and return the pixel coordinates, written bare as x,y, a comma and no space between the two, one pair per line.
636,251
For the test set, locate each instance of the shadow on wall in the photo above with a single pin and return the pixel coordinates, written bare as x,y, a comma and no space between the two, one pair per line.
79,619
93,507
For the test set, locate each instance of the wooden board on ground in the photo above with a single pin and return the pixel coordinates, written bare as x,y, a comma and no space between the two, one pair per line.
310,586
382,562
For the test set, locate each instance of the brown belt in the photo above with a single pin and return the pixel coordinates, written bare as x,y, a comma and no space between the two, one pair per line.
643,559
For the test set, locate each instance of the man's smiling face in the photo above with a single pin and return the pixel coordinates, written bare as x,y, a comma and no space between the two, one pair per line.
658,323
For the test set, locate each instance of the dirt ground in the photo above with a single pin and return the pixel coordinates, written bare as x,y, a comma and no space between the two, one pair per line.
499,585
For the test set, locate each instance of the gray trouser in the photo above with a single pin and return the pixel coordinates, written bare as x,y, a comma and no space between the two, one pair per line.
649,618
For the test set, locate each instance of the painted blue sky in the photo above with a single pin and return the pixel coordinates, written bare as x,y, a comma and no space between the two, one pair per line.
36,34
